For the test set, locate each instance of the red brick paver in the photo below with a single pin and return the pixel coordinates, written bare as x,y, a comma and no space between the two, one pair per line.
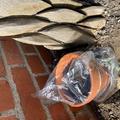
28,48
35,64
42,80
31,106
85,115
21,76
2,68
11,51
58,112
6,99
46,55
8,118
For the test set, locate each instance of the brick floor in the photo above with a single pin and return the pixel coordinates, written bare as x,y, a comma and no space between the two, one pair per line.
23,71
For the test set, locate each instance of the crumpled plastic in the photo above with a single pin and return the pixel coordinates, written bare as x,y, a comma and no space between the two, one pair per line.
107,59
75,81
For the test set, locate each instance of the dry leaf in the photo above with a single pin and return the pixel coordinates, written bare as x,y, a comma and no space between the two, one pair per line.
37,39
55,47
62,15
93,10
19,25
69,2
89,30
21,7
96,22
68,34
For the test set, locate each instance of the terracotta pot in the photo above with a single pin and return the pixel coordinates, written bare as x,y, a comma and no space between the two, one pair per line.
98,83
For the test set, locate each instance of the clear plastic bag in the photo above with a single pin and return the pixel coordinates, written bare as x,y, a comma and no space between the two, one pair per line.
71,82
75,82
107,59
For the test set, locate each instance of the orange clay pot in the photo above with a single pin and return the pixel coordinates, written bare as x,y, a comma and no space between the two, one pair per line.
98,83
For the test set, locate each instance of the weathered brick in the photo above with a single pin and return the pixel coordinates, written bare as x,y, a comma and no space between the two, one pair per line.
58,112
2,68
35,64
8,118
42,80
83,116
86,114
6,99
46,55
27,48
91,111
11,51
32,107
76,109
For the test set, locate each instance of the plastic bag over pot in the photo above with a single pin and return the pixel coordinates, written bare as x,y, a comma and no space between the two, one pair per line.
80,78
